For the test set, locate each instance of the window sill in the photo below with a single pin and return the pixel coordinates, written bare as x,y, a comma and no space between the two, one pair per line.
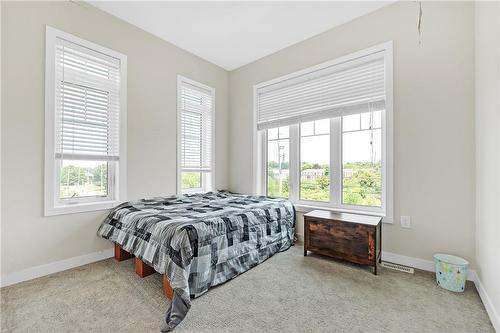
301,208
191,191
80,208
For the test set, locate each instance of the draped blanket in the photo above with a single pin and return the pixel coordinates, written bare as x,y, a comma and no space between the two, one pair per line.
200,240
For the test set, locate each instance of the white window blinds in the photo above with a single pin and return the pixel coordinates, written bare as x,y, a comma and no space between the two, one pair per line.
196,112
354,86
87,103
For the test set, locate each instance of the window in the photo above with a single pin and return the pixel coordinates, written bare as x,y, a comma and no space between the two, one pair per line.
195,129
328,134
362,159
315,160
85,124
278,161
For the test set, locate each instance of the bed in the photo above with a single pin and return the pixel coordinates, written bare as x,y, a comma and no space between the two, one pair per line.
200,240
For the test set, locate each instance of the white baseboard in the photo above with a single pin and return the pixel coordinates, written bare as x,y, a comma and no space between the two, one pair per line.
425,265
54,267
488,304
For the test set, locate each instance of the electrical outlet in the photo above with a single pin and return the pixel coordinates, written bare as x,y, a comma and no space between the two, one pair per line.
405,222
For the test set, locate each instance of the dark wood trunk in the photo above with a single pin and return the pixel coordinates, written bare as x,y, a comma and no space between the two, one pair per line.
355,238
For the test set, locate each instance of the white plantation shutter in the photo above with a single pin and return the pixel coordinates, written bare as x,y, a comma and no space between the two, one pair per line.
196,112
351,87
87,103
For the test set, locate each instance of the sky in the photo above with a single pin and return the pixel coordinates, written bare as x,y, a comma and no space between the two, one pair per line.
316,148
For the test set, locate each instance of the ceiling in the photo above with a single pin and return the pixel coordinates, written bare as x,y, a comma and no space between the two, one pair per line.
232,34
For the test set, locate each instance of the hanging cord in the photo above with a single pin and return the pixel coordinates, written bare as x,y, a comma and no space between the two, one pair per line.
419,23
371,136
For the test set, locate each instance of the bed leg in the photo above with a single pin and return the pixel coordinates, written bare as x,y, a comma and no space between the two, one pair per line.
167,289
121,254
142,269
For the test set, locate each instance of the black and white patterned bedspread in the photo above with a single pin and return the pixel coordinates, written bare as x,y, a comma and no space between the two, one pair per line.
200,240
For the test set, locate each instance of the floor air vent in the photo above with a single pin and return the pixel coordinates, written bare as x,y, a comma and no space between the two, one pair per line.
397,267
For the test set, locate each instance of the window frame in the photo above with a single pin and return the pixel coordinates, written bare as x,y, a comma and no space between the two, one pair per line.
180,80
299,176
117,181
335,203
266,157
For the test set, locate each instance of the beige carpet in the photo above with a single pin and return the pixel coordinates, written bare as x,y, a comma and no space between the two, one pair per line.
286,293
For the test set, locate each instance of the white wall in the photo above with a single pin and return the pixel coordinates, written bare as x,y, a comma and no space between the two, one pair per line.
433,105
28,238
433,118
488,155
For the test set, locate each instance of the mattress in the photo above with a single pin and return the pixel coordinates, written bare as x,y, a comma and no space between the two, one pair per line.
200,240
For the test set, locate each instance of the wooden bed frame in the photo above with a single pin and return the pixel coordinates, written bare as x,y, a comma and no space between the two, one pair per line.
142,269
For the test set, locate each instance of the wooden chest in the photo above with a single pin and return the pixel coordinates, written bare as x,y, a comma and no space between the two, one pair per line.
355,238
